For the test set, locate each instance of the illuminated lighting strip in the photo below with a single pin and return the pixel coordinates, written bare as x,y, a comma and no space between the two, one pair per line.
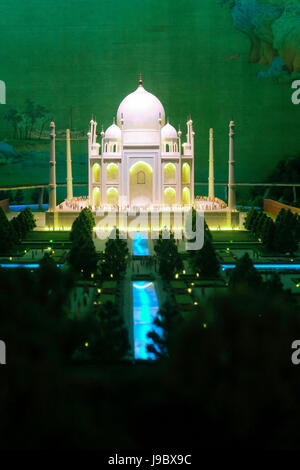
266,266
32,266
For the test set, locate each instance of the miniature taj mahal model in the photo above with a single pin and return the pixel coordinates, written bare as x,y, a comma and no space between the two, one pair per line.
140,164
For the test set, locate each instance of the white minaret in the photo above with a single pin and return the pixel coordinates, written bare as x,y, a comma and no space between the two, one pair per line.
179,139
211,179
69,167
52,184
231,181
159,192
95,131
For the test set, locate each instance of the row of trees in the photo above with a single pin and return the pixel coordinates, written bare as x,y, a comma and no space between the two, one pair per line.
25,121
283,235
115,256
243,278
225,370
167,254
204,261
11,232
83,256
55,335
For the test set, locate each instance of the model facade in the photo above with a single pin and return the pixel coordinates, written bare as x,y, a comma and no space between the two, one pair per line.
141,161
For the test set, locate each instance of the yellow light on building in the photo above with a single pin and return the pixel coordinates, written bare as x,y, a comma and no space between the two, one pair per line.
197,274
183,272
111,275
99,291
189,290
86,344
92,275
176,276
195,303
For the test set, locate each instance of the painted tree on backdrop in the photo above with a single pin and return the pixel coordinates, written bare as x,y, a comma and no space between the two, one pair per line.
25,121
19,197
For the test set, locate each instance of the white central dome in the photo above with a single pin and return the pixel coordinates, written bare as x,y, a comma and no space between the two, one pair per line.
141,110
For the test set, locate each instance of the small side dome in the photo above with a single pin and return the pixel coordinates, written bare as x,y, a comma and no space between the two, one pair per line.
168,132
113,132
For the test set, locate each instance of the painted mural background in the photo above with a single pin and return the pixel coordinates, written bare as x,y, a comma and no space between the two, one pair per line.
212,59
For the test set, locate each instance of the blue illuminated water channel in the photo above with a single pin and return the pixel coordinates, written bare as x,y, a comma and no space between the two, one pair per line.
145,303
140,244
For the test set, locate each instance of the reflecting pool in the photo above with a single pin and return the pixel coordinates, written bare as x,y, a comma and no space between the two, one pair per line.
145,309
140,244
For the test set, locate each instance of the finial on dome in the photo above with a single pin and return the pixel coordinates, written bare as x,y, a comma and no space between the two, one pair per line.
140,80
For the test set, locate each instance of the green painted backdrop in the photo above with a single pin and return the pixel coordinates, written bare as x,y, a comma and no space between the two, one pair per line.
88,54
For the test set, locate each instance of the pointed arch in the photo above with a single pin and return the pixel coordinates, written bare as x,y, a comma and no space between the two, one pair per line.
96,197
141,184
169,196
112,172
186,196
112,196
96,173
170,173
186,173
